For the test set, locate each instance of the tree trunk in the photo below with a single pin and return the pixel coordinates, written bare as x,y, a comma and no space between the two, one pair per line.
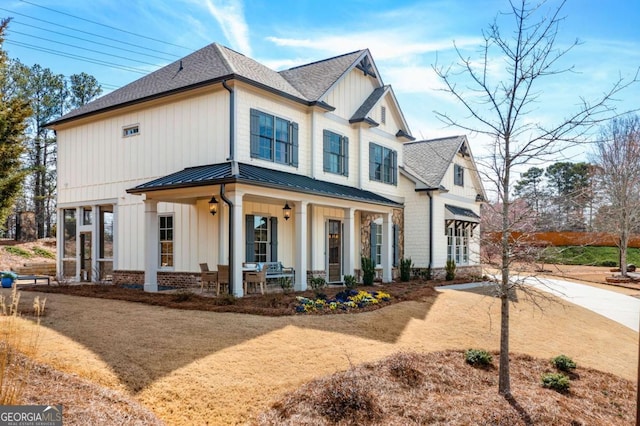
504,377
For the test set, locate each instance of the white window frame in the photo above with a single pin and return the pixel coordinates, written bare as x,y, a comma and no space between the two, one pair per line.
131,130
458,244
172,254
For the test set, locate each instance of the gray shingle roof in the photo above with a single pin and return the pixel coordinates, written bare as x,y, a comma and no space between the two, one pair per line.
210,64
315,79
461,213
364,110
430,159
216,174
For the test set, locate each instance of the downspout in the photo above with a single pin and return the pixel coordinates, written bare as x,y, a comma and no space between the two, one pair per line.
234,171
231,227
430,231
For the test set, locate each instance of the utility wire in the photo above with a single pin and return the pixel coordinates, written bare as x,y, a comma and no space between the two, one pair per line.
83,48
107,26
13,22
89,33
78,57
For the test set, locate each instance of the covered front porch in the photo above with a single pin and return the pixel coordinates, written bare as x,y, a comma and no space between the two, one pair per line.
241,213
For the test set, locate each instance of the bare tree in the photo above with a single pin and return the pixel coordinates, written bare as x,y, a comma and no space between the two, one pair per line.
500,108
617,157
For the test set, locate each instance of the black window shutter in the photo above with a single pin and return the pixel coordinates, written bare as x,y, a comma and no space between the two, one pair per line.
372,161
294,144
394,167
274,239
396,246
373,239
326,138
345,150
255,133
251,236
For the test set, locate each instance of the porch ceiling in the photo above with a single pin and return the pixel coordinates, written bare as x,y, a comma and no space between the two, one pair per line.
216,174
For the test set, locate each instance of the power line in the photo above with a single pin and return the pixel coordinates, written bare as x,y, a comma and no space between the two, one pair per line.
107,26
89,33
83,48
78,57
89,41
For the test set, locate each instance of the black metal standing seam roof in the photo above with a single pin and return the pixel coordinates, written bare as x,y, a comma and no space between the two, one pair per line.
216,174
461,211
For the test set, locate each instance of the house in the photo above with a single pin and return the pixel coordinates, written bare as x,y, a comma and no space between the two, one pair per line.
443,193
218,159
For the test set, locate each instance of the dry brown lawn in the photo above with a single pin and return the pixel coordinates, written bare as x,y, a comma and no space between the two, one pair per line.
195,367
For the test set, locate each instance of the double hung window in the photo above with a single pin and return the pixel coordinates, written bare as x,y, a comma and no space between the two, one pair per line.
274,138
383,164
336,153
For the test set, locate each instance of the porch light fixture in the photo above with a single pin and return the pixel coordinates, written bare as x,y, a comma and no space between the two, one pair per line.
286,211
213,205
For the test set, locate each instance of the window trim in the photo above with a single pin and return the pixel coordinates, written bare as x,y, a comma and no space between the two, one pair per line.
161,241
291,151
388,164
458,240
458,175
128,131
343,155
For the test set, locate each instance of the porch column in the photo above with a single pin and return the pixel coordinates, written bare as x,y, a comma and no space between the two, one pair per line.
301,246
236,252
222,233
60,243
95,245
387,252
151,245
349,241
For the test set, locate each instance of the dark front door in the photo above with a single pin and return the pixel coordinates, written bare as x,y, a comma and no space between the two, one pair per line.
334,235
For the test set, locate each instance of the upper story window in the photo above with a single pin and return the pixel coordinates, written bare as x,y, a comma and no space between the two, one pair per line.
458,175
336,153
130,131
383,164
274,138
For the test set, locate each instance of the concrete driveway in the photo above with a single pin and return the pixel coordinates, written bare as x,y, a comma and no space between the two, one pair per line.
613,305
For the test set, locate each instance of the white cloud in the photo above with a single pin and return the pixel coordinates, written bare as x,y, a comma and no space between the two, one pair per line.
230,16
384,45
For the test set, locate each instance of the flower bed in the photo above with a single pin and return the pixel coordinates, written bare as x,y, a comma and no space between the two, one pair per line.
344,300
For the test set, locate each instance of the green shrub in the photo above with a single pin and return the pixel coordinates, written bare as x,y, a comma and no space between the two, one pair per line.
563,363
39,251
368,270
608,263
350,281
450,269
285,284
405,269
556,381
19,252
478,357
317,283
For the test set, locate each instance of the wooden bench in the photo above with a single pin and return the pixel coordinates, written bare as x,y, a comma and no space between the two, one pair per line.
275,270
34,278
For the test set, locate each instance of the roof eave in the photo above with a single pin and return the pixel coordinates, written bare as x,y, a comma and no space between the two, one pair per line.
231,179
371,122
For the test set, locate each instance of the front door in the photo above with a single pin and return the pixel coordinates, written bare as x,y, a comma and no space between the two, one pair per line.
334,243
85,256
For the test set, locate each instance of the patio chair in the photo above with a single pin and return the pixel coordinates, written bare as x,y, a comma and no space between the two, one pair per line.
207,277
255,279
223,278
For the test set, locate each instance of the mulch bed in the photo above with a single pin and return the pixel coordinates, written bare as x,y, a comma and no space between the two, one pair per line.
271,304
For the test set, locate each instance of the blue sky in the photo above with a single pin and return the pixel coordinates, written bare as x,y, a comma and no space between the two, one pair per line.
405,37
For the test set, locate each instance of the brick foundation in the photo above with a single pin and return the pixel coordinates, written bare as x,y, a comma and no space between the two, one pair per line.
173,279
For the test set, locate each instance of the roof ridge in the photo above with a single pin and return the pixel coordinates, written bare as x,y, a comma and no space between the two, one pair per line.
434,140
324,60
224,57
